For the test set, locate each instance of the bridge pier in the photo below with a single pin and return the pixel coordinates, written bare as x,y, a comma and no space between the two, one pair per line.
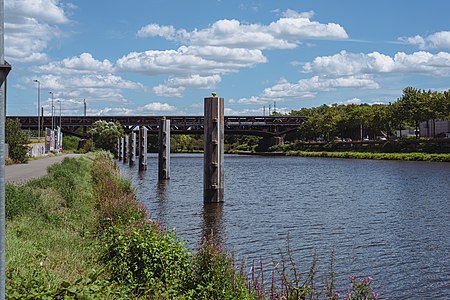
269,141
213,180
119,148
132,158
164,149
142,148
125,149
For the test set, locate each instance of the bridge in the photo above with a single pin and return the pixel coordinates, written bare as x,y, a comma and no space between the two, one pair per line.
265,126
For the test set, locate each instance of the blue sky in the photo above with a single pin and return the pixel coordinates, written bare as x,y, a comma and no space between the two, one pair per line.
141,57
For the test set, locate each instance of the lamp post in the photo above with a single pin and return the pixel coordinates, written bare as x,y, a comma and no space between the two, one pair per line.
39,107
51,93
59,112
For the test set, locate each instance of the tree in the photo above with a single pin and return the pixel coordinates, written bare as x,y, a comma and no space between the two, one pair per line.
105,134
17,140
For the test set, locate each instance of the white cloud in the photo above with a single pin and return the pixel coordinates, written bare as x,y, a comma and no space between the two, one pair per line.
437,40
175,86
163,90
346,64
191,60
148,109
30,25
151,30
307,88
82,64
156,107
285,33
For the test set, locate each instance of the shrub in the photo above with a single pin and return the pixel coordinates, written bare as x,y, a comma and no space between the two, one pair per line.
147,258
214,275
17,140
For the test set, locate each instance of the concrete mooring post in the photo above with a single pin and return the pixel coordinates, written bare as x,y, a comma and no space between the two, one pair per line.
120,148
213,183
125,149
132,146
164,149
142,148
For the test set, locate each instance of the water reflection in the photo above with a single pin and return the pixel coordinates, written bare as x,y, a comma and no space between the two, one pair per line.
162,197
212,227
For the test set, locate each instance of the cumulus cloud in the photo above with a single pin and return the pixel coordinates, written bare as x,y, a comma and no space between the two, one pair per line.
346,64
175,86
156,107
285,33
308,88
82,64
30,25
437,40
191,60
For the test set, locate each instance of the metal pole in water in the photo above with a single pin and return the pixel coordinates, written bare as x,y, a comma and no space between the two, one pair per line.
213,180
132,147
164,149
142,148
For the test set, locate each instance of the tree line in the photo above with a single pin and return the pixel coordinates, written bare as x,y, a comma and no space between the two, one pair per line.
355,121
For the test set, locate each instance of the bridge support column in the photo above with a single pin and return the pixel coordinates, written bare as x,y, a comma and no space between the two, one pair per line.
132,148
164,149
142,148
279,140
119,148
213,180
125,149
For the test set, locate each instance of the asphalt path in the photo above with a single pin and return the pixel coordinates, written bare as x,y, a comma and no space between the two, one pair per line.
21,173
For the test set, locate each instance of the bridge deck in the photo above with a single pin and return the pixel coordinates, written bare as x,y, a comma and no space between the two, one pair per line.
273,125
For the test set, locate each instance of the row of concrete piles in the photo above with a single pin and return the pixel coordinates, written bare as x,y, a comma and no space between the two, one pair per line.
213,176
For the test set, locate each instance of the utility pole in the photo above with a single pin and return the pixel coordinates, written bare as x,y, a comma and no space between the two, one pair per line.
39,107
4,70
264,110
269,110
51,93
84,127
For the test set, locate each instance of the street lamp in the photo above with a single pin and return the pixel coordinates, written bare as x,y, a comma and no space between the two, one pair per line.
59,113
51,93
39,107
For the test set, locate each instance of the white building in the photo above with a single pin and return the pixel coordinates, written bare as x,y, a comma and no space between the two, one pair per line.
434,129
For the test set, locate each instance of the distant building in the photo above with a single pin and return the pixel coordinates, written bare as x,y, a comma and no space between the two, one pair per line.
405,133
433,129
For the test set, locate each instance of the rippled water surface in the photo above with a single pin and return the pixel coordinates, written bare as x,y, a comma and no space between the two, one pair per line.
387,219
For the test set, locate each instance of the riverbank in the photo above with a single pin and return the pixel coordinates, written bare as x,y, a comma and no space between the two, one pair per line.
416,156
80,232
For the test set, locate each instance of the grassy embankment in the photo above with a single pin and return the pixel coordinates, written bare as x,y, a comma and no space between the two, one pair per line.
415,156
80,233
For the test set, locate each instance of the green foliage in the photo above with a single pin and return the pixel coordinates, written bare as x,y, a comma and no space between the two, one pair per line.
105,134
19,200
17,140
147,258
214,275
70,142
361,289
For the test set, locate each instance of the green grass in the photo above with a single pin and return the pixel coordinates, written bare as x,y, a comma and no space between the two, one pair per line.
378,156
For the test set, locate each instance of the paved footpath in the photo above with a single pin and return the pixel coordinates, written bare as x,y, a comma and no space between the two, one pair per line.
22,173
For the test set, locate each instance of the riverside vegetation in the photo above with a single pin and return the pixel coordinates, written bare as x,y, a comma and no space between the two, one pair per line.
80,233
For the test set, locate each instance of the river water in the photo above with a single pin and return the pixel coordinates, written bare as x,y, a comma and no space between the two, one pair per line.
386,219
